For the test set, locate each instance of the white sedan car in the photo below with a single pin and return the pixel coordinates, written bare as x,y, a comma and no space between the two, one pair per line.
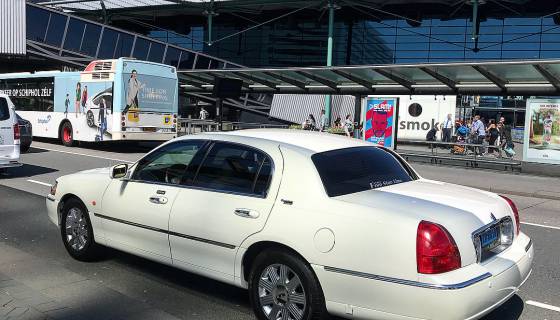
309,223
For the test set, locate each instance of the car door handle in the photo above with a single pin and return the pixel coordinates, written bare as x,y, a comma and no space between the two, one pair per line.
247,213
158,200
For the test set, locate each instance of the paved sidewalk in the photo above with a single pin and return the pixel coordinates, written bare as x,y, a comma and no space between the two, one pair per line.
34,289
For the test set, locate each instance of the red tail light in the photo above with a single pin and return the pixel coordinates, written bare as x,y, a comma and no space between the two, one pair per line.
16,132
436,251
515,212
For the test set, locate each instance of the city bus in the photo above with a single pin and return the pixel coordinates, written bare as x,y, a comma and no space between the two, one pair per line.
111,100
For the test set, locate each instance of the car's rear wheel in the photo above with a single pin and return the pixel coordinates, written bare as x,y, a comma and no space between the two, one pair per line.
283,286
77,232
67,134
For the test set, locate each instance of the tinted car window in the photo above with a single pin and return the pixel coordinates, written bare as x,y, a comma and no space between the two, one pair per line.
169,163
4,110
235,168
353,170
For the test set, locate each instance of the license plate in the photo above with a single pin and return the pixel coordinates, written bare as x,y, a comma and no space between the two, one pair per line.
490,238
150,129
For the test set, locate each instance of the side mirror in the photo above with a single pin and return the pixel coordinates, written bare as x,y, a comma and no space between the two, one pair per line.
119,171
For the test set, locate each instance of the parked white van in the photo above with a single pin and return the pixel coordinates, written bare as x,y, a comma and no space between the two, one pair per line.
9,134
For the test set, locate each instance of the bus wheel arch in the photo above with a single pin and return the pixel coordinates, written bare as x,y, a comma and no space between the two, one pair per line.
66,133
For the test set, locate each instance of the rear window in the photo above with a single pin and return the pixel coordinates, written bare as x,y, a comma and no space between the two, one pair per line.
351,170
4,110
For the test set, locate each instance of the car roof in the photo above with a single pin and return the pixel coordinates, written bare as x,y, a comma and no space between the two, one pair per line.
312,141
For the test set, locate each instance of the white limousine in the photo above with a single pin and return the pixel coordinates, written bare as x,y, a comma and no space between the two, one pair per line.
310,223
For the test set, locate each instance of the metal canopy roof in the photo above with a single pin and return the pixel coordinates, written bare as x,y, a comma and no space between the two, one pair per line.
538,77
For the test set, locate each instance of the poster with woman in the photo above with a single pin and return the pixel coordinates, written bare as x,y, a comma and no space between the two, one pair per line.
542,131
133,88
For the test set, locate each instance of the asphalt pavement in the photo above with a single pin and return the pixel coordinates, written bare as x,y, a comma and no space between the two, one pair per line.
38,275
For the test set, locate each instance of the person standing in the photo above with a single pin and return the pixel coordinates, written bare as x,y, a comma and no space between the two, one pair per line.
348,124
479,131
493,134
134,87
66,105
324,121
84,99
78,97
447,128
102,117
203,114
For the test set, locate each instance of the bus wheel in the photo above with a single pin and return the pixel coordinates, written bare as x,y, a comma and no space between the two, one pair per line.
67,134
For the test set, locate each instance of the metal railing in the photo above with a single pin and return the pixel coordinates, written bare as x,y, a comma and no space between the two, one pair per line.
192,126
470,153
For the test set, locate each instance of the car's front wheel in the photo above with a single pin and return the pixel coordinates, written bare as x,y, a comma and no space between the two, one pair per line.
77,232
283,286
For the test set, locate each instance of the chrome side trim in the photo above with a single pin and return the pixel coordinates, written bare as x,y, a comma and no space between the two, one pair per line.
370,276
528,246
170,233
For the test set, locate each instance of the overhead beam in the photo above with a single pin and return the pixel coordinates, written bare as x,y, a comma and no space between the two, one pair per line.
289,80
363,82
501,83
199,78
258,80
548,75
322,80
219,75
396,78
439,77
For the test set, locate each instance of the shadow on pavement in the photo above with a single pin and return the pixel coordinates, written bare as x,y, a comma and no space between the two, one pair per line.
188,282
112,146
34,150
27,170
510,310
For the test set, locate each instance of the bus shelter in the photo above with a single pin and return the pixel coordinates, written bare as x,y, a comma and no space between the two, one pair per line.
539,78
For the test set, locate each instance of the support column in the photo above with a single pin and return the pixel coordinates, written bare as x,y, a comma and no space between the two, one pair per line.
328,99
475,19
210,13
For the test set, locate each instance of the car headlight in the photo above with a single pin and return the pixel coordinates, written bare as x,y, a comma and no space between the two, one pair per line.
53,188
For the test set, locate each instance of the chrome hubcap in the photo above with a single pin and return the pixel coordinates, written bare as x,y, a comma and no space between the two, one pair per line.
76,229
281,294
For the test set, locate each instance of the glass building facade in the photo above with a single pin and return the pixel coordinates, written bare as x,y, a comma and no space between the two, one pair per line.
301,39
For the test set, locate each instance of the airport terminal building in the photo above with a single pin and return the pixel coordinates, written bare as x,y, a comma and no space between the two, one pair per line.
214,34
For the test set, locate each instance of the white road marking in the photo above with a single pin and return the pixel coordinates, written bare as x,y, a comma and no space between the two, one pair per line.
540,225
39,182
84,155
543,305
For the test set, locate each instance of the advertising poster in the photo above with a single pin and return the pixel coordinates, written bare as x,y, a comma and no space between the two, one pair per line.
542,131
380,121
148,94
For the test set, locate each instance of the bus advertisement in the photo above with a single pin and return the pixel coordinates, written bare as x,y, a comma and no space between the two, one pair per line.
111,100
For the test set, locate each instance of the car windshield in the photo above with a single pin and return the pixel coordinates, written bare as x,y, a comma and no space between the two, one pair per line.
351,170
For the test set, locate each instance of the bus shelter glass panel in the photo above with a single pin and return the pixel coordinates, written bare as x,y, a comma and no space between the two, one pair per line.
141,48
124,45
37,21
172,56
74,35
55,31
187,60
156,52
216,64
202,62
107,46
91,39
